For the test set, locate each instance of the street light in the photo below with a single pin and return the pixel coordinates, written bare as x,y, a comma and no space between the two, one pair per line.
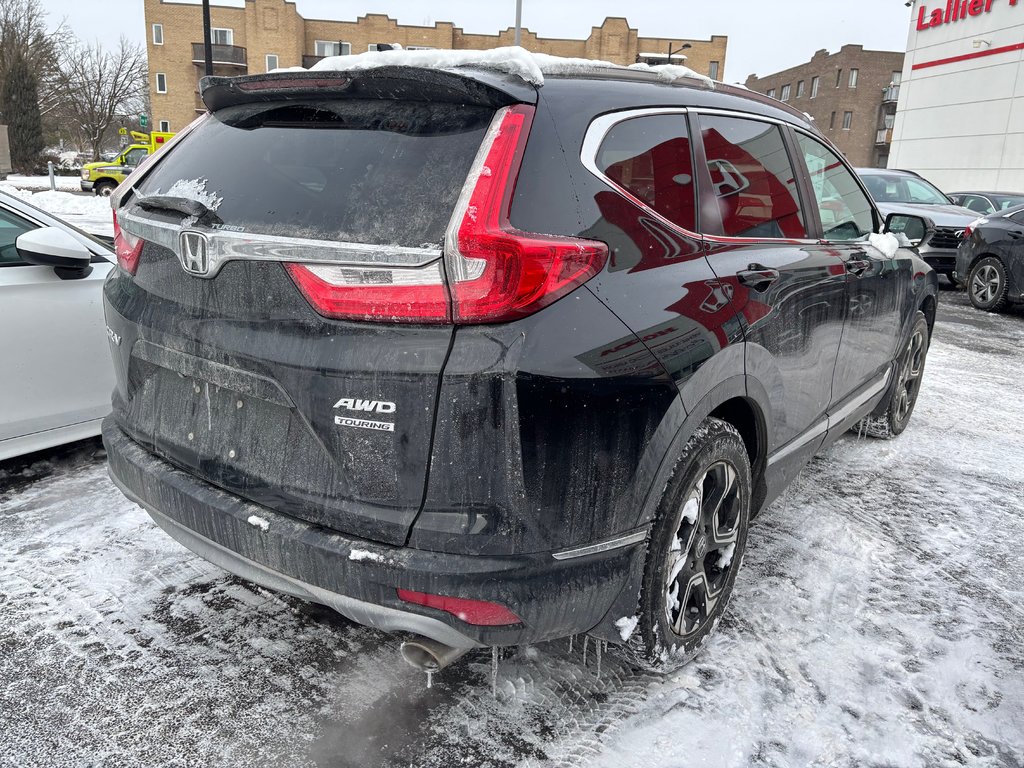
519,19
681,48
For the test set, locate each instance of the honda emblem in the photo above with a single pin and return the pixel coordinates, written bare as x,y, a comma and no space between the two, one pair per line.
194,253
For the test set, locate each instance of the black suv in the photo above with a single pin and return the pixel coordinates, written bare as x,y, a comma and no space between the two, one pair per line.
492,361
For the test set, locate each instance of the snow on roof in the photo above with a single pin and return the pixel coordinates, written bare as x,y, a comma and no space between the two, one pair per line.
511,60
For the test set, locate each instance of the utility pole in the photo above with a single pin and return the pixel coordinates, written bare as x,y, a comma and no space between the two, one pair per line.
207,41
519,19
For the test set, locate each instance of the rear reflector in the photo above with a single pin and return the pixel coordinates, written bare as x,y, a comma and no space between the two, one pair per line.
478,612
127,247
401,295
496,272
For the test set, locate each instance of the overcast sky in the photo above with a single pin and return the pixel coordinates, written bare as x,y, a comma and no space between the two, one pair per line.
764,36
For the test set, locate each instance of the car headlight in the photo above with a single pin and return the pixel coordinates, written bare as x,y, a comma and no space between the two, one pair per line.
85,174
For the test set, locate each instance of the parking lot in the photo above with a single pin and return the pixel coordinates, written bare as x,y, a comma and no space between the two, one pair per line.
878,621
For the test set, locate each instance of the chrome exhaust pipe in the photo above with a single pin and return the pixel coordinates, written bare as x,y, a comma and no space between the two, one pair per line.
428,655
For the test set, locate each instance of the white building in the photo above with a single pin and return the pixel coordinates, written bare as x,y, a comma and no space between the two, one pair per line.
960,117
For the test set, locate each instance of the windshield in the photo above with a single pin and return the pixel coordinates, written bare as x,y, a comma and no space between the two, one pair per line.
896,188
1003,202
376,172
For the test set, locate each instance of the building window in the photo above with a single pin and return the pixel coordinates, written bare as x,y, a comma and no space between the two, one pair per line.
854,73
785,92
272,61
332,48
897,78
158,34
847,120
222,36
165,126
814,87
161,82
771,93
800,89
839,77
419,48
832,122
713,70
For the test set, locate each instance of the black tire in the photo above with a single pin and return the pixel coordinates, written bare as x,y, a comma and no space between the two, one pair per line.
104,188
711,484
906,388
986,284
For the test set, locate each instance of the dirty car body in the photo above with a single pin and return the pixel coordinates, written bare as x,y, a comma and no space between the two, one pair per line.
426,352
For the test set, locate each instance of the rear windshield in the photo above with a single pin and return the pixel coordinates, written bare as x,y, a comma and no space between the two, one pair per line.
378,172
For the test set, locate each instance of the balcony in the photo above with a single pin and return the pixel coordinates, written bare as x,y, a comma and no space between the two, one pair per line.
884,136
228,55
309,61
891,94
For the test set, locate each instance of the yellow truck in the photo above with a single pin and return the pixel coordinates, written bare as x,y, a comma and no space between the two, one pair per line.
103,178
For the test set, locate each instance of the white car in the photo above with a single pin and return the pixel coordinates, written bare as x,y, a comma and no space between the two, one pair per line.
55,372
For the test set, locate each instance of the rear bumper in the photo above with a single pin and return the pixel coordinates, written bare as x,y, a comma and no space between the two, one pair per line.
943,261
360,578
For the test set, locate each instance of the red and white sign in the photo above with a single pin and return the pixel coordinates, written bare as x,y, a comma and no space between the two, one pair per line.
954,11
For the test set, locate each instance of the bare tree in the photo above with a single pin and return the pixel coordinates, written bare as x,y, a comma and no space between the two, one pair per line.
23,33
96,87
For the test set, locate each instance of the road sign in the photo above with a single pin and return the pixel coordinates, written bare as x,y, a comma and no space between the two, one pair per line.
143,121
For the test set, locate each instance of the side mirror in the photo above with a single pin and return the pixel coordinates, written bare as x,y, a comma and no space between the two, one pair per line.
911,230
53,247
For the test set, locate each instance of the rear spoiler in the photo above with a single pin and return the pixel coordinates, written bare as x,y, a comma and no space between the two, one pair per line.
464,86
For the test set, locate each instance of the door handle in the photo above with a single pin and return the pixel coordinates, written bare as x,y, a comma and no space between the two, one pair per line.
758,277
857,266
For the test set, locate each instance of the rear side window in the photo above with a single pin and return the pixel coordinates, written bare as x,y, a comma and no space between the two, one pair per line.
376,172
845,210
650,158
752,178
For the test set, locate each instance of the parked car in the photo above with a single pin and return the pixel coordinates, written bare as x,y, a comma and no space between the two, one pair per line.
374,383
57,377
990,262
907,192
987,202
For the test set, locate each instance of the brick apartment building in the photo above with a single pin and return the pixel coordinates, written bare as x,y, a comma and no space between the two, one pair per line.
267,34
850,94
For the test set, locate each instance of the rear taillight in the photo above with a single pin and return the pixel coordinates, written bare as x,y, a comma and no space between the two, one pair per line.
401,295
495,272
128,248
477,612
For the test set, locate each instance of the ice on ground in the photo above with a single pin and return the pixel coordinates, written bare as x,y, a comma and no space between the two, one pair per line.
258,522
361,554
511,60
627,626
887,243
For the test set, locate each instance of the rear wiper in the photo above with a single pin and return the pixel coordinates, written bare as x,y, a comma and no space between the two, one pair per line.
184,205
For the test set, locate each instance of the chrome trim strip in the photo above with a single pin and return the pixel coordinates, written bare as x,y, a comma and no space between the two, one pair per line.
831,420
241,246
601,546
844,413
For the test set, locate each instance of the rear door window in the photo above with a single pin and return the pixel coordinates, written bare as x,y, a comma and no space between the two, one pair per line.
367,171
752,178
846,212
650,158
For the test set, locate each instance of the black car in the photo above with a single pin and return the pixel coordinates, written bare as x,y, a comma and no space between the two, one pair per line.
990,262
987,202
491,361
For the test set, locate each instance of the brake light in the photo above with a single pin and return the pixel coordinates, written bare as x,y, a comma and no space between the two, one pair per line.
480,613
127,247
401,295
498,273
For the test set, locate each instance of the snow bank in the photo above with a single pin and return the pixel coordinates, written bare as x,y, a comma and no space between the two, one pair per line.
511,60
65,183
86,212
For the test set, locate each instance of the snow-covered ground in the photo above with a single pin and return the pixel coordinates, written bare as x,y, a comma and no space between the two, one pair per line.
39,183
878,621
87,212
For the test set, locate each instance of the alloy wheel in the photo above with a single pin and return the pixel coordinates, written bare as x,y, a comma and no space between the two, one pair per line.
910,376
986,283
701,555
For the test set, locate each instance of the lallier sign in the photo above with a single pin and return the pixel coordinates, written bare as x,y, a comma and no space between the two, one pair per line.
954,11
